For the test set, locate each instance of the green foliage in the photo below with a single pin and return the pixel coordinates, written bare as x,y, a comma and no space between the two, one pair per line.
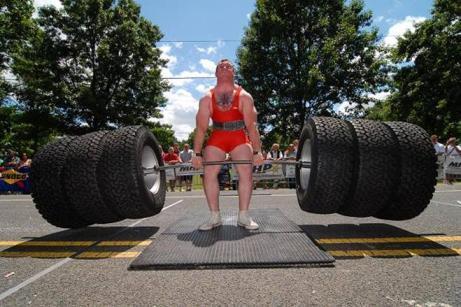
18,132
302,58
191,137
428,90
93,65
16,25
163,133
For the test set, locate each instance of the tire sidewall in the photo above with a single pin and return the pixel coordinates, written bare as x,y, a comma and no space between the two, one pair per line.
154,201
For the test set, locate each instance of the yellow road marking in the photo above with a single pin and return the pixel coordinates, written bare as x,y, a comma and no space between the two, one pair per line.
390,240
125,243
396,252
47,243
37,254
75,243
414,239
334,253
96,255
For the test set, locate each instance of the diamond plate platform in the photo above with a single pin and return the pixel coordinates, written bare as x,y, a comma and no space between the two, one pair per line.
277,243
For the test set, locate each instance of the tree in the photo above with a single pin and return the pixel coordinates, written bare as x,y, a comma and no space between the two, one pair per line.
427,89
163,133
17,131
16,25
191,137
302,58
93,65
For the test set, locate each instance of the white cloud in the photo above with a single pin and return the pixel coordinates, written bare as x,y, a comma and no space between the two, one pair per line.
249,16
380,95
39,3
178,45
209,50
172,60
56,3
398,29
203,88
379,18
208,65
180,112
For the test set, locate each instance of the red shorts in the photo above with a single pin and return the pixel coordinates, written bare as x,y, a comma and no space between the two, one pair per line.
227,140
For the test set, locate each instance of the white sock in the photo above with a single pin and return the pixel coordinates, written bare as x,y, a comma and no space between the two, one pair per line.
243,214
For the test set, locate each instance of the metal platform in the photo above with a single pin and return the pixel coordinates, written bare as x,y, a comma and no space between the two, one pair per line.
277,243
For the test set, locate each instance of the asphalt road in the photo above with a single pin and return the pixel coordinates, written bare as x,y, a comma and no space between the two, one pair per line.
378,262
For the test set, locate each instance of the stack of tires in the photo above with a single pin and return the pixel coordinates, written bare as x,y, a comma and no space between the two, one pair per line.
365,168
99,178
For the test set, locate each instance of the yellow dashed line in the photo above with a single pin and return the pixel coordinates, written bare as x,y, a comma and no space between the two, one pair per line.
396,252
125,243
75,243
37,254
96,255
391,240
47,243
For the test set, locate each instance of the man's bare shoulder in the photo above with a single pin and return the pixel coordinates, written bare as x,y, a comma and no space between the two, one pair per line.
245,96
206,97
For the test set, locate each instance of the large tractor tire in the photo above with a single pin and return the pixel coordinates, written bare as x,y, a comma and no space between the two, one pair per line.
127,176
376,168
80,176
47,180
328,144
417,176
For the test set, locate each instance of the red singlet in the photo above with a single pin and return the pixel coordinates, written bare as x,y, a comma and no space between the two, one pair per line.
223,139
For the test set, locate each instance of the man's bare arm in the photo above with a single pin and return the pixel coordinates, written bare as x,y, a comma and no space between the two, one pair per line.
250,117
202,119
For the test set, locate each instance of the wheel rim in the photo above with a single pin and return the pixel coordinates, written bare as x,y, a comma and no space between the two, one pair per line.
151,176
306,156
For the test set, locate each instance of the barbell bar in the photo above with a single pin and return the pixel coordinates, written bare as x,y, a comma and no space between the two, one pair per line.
302,164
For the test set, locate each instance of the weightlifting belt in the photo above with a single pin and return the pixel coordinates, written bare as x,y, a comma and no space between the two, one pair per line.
229,126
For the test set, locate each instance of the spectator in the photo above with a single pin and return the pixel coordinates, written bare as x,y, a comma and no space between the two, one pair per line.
275,153
11,160
224,174
171,158
290,154
438,147
451,150
176,148
24,161
295,144
186,156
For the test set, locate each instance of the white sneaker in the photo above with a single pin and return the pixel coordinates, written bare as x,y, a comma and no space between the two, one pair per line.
213,221
244,220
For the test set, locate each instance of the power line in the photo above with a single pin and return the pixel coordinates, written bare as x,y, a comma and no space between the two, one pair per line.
191,77
200,41
228,40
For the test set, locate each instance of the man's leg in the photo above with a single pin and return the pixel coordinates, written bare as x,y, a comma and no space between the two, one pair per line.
245,186
211,186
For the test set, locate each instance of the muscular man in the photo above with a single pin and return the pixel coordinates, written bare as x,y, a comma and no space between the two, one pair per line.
235,132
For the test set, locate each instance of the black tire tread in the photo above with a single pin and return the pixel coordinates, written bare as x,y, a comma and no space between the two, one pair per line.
418,173
329,182
376,169
48,193
119,175
81,179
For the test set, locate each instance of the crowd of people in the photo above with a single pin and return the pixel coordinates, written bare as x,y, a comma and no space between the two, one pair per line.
11,160
450,149
174,155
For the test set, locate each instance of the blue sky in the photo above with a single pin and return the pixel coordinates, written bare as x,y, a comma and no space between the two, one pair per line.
221,24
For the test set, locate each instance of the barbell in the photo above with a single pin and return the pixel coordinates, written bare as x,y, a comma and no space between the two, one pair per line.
356,168
304,164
